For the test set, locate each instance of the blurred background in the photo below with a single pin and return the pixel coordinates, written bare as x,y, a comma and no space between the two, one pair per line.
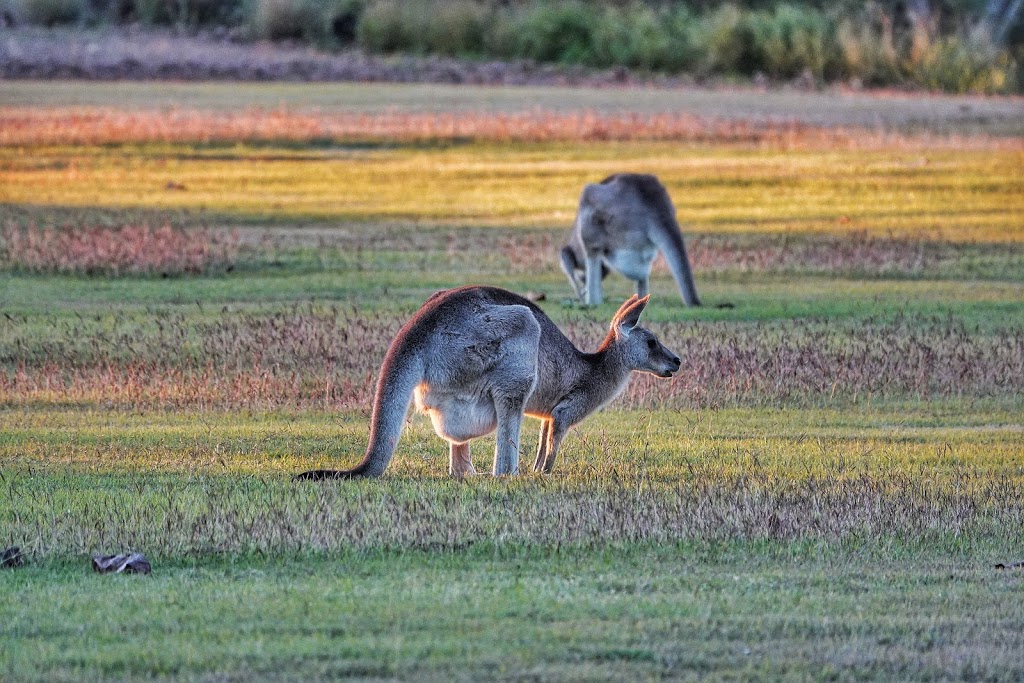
956,46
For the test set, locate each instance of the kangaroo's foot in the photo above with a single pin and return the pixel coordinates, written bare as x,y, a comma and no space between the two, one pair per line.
464,474
461,465
324,475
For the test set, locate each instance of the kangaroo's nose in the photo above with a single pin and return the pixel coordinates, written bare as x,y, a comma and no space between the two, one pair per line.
675,359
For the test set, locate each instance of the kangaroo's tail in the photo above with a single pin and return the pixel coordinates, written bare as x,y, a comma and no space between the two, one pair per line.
401,371
670,240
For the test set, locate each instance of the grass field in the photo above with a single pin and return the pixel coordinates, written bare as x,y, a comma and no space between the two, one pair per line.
823,492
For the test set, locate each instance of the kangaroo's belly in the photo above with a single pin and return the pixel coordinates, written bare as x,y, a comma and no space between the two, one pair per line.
457,416
633,263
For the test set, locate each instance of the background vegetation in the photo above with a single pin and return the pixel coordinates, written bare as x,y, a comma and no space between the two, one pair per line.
956,46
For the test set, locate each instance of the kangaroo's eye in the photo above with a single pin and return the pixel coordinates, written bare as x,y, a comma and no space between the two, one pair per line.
652,344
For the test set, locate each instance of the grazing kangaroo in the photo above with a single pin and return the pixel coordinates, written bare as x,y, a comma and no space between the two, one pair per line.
477,359
621,224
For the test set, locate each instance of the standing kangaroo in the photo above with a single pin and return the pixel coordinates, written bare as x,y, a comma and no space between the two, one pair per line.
477,359
621,224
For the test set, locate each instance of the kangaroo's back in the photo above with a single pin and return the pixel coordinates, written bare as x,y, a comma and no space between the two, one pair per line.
455,299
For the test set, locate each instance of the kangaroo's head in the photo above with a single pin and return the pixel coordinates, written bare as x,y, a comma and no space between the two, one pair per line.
637,346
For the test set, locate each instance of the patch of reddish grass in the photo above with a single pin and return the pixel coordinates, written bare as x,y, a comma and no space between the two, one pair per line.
115,251
492,250
305,358
818,362
853,252
93,126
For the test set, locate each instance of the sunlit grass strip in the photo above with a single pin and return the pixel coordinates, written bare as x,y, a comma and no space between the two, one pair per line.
207,495
91,126
961,195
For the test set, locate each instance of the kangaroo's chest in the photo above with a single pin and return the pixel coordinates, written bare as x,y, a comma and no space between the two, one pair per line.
457,415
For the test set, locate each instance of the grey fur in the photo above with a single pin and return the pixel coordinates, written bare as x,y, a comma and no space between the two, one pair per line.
621,224
477,359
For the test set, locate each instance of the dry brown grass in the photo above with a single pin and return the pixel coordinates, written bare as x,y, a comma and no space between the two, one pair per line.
94,126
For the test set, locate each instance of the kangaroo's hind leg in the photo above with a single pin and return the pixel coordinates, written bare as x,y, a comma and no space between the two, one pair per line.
510,424
512,380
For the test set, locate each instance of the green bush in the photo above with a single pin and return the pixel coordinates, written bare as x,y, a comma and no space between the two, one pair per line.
424,27
686,51
328,23
275,19
279,19
181,12
456,27
635,36
867,52
953,64
392,26
721,41
788,41
152,12
560,32
50,12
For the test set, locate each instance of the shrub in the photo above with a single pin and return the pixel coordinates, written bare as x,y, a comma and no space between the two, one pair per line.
455,28
424,26
788,41
152,11
336,22
183,12
385,26
279,19
556,32
868,52
685,49
956,65
636,36
719,37
50,12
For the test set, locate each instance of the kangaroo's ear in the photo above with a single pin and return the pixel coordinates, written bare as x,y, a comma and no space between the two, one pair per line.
628,315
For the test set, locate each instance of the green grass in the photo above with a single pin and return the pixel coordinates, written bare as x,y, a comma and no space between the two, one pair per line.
750,524
686,611
879,562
